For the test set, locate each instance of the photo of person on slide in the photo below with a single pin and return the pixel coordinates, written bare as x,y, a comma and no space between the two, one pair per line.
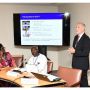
26,28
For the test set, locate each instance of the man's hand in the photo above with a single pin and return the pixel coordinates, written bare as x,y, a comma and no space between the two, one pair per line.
71,50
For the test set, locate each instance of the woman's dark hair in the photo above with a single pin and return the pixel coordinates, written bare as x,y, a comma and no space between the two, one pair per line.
1,47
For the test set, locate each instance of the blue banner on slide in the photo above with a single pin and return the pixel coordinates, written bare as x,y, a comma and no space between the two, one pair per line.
36,16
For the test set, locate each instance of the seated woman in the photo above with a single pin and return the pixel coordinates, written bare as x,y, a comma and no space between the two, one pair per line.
6,58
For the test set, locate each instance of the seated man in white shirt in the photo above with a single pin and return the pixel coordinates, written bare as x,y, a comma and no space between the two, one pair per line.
37,63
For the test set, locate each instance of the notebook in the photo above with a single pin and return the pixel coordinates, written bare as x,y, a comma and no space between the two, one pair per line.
46,77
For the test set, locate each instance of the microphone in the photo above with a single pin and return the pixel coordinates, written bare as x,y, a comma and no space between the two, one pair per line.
37,64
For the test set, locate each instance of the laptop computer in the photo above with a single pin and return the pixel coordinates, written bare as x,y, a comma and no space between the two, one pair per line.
46,77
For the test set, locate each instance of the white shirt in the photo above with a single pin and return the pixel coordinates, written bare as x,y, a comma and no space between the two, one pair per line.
37,64
80,35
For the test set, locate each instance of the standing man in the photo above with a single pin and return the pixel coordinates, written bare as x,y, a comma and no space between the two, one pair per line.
37,63
80,51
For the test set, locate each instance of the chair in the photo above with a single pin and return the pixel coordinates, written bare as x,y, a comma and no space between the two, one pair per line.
18,60
8,83
49,66
71,76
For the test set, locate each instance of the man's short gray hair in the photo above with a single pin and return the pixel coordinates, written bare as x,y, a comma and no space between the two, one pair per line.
83,24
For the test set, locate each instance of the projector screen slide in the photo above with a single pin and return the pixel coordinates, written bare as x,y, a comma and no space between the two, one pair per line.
41,29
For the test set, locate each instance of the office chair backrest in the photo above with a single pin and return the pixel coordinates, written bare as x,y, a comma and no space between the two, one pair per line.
18,60
8,83
49,66
71,76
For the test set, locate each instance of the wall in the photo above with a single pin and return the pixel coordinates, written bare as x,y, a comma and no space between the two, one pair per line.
79,12
6,28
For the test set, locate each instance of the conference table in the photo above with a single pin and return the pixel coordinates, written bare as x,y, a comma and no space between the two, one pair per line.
17,79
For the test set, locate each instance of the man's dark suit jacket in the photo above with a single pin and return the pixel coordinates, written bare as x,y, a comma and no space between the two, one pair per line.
80,58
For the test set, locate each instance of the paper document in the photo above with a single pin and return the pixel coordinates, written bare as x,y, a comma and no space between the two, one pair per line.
52,77
29,81
11,73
